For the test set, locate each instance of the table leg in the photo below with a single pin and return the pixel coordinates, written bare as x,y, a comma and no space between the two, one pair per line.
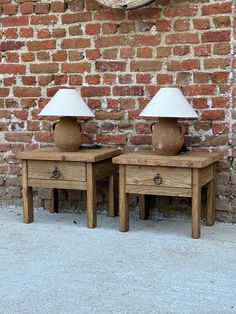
196,204
53,200
211,200
123,201
27,193
91,197
112,196
143,207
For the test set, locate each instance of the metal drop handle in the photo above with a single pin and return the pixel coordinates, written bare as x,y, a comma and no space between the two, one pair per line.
157,179
55,173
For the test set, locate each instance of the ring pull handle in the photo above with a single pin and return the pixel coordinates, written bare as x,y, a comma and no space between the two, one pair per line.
157,179
55,173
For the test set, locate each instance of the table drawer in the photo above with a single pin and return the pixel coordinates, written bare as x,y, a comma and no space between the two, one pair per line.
158,176
56,170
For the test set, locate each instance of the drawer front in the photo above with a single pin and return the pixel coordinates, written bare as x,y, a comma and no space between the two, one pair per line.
158,176
56,170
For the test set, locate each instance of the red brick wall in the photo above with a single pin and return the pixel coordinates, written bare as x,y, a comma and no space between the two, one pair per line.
118,60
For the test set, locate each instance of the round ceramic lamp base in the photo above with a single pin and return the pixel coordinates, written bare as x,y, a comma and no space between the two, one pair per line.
167,136
68,134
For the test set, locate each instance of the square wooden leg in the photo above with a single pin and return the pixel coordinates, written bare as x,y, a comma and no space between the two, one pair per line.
123,201
211,199
91,197
27,194
196,205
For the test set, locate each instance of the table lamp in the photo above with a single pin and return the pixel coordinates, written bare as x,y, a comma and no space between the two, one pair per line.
169,104
68,105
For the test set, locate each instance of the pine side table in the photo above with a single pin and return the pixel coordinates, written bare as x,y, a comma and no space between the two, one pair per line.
144,172
54,169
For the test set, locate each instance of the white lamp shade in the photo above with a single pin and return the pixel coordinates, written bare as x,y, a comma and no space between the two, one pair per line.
169,102
67,103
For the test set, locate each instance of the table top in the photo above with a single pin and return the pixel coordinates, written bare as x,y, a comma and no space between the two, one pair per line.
53,153
150,158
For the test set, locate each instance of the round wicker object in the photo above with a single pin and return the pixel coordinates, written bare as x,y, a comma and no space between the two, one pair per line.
124,4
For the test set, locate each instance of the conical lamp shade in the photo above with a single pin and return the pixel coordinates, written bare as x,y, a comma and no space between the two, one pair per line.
67,103
169,102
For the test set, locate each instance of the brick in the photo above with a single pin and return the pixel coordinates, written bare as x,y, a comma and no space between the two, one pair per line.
26,32
27,8
43,55
4,92
75,43
142,128
180,11
221,49
106,66
109,28
126,27
44,137
115,15
163,25
213,115
222,21
110,115
10,9
215,36
125,79
27,57
189,38
14,21
217,8
71,18
58,32
201,77
144,66
110,41
216,140
41,45
128,90
202,50
216,63
163,51
219,77
93,79
163,79
200,89
93,91
11,33
141,140
184,65
24,137
126,53
44,68
75,5
93,29
220,102
75,30
110,54
144,40
201,23
144,78
93,54
109,79
11,45
28,80
183,78
12,69
144,14
27,91
43,19
76,68
181,50
75,55
181,25
145,52
111,139
42,8
58,6
12,57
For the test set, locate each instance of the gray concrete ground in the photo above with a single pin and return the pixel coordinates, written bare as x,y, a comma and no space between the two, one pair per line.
58,266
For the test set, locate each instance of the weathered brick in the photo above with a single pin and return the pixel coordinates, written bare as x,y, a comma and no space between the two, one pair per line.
44,68
106,66
41,45
27,91
217,8
75,43
144,66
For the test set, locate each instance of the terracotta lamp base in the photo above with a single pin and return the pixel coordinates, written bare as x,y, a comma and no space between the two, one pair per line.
68,134
167,136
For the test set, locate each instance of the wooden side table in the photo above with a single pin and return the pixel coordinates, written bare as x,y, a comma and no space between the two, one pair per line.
54,169
144,172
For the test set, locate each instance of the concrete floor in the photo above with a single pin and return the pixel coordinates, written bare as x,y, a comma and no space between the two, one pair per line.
58,266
